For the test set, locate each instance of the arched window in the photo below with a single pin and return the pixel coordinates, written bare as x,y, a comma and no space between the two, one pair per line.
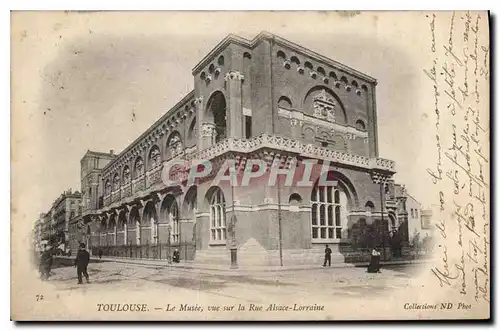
216,115
370,207
360,125
308,65
220,61
217,217
174,222
284,102
247,55
321,71
295,60
192,133
332,75
174,145
281,55
138,167
328,205
116,182
295,199
126,175
154,157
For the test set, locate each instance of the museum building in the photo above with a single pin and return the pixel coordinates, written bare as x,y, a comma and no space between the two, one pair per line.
262,99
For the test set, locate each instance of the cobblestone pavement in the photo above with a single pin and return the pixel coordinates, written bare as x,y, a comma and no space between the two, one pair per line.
248,286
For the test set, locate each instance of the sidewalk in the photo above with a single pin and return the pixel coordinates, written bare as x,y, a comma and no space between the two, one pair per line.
200,267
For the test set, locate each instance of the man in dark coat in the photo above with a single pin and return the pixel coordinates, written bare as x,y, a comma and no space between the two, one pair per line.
46,263
328,256
374,265
176,256
81,263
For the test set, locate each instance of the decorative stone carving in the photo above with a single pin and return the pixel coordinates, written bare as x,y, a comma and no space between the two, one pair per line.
126,176
234,75
199,100
350,136
116,182
287,64
295,122
325,80
108,187
208,130
300,70
313,74
324,106
155,157
139,167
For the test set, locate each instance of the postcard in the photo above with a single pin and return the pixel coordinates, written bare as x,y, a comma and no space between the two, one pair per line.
228,166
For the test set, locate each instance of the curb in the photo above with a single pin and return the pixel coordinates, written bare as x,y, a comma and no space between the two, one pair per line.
201,268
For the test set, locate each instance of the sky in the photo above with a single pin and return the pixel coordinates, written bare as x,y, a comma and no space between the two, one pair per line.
98,80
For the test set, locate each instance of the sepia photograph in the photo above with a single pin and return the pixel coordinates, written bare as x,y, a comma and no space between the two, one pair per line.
246,166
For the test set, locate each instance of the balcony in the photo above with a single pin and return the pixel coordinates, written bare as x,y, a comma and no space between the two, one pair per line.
153,176
138,184
293,146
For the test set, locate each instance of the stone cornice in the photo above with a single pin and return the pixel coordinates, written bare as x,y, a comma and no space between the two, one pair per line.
292,146
234,39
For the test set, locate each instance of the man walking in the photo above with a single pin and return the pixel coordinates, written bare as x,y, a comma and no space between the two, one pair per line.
46,263
328,256
81,263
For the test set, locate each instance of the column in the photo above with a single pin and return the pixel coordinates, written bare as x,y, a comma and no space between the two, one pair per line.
125,232
207,135
234,110
204,131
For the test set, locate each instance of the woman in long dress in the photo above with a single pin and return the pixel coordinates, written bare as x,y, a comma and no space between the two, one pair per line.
374,265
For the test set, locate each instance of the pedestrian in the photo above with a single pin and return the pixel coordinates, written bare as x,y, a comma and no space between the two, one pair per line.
398,243
328,256
46,263
81,263
100,254
176,257
392,243
374,265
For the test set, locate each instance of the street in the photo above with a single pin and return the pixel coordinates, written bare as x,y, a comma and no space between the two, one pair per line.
242,285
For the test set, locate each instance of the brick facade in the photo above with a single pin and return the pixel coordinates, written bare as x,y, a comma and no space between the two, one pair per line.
265,99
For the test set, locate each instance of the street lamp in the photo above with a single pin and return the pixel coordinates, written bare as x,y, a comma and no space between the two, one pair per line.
232,229
169,228
382,202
